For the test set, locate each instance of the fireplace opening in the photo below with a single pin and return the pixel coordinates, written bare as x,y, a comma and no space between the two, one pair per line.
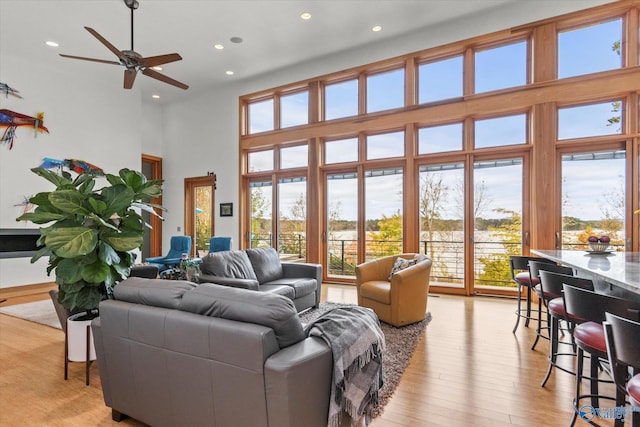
18,242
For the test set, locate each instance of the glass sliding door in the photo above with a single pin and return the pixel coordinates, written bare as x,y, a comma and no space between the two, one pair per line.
497,213
441,210
593,198
261,200
383,212
342,224
292,219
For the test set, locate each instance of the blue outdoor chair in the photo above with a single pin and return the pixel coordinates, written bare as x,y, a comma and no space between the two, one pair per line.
179,245
218,244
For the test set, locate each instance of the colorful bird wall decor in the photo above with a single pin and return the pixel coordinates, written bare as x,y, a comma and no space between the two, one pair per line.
78,166
8,90
11,120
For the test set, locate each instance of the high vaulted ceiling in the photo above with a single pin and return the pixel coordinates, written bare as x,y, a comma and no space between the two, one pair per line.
273,34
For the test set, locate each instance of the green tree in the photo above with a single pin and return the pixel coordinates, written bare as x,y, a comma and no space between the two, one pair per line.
389,235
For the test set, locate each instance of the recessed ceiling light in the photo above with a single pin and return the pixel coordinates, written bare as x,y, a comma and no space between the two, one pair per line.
155,96
157,68
218,46
229,73
236,39
376,28
51,43
306,16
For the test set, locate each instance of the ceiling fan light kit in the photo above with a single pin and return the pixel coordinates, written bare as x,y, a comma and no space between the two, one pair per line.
132,60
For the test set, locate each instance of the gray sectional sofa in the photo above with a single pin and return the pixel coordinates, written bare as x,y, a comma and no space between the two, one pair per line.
261,270
174,353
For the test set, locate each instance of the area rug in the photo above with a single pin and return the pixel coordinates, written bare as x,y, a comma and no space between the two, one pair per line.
401,343
39,312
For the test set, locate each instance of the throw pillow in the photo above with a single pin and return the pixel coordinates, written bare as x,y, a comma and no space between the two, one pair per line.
400,264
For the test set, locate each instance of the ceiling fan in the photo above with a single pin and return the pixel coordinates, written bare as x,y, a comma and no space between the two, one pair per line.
132,60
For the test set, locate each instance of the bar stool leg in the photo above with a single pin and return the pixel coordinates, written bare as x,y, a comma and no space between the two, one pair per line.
528,317
518,313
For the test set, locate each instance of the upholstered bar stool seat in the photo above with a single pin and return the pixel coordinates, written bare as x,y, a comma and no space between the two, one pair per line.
633,389
590,335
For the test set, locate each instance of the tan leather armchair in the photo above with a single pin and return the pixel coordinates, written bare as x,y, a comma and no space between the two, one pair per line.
401,300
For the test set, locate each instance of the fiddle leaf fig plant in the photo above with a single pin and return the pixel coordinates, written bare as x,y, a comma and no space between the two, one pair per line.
91,234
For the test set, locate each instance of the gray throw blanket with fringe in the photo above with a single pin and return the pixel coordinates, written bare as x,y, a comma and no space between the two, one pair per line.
357,344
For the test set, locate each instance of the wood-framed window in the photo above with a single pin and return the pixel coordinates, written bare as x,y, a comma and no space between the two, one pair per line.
455,115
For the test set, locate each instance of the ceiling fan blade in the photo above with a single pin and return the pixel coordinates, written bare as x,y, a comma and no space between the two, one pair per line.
156,75
104,61
152,61
129,78
105,42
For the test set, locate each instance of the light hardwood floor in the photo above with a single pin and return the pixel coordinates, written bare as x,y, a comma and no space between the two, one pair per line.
468,370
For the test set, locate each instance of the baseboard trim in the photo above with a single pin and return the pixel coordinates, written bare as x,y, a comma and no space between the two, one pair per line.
26,290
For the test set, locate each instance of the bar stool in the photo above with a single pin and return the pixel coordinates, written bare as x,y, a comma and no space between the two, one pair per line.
544,297
522,278
590,338
551,284
623,348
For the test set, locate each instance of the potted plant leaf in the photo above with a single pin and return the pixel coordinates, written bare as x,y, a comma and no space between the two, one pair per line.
90,234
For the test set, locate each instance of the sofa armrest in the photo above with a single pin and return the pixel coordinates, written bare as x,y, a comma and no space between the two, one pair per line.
230,281
295,269
298,384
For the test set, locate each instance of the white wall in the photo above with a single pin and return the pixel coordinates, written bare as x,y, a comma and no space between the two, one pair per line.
86,120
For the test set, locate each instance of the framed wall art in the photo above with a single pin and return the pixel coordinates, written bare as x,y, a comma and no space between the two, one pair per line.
226,209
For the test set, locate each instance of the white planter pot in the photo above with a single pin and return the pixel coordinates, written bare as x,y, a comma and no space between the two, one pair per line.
77,339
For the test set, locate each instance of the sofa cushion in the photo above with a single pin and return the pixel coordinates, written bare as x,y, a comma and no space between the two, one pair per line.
266,264
155,292
262,308
301,286
283,290
233,264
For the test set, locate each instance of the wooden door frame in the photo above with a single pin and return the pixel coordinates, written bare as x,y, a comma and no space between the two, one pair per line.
189,204
155,237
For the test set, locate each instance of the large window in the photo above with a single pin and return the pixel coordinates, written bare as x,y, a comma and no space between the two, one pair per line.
438,139
383,213
441,209
497,215
501,131
341,99
469,153
385,145
590,120
342,224
440,80
292,218
593,198
590,49
501,67
385,91
294,109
